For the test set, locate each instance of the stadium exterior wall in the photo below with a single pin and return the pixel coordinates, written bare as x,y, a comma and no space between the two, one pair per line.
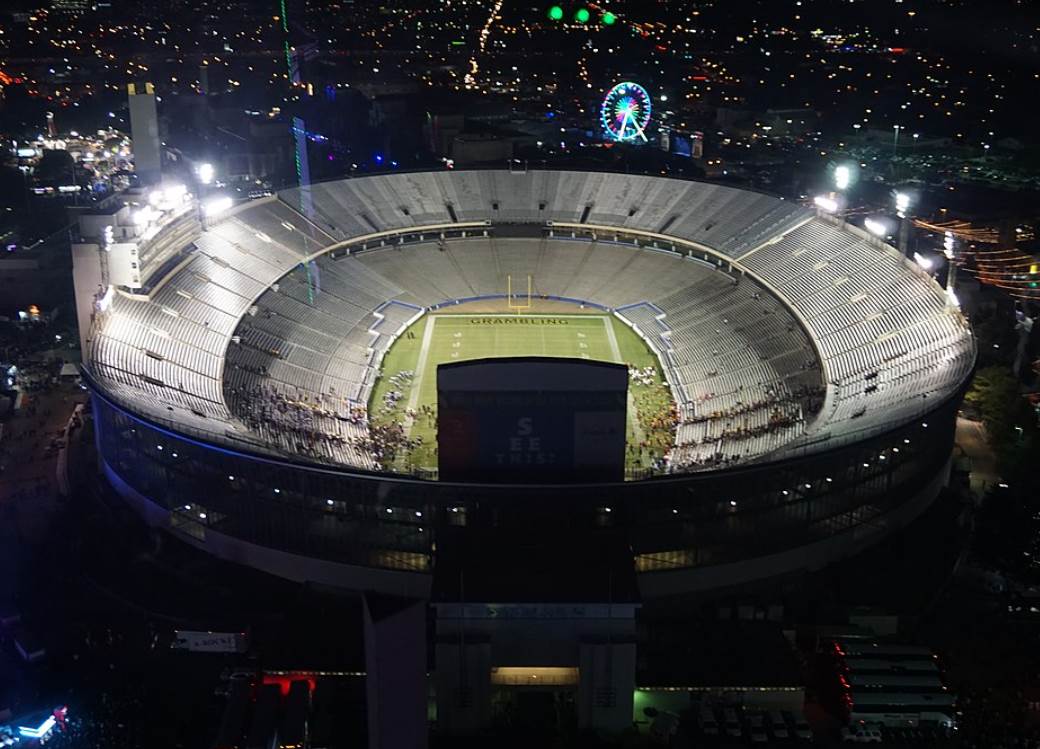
811,557
378,532
295,567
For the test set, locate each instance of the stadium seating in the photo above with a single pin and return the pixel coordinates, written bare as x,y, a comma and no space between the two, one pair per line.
817,329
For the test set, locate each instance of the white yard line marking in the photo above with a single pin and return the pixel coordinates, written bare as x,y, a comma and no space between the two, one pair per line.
420,372
615,350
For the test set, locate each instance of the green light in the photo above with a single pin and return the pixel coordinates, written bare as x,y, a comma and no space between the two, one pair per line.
609,18
582,16
555,13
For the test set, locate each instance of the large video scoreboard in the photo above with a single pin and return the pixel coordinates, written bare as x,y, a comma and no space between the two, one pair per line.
531,420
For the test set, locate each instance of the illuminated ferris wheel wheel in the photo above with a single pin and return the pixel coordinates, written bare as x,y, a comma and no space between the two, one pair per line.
625,112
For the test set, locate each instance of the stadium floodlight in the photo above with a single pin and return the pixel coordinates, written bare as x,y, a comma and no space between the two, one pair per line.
155,197
875,226
948,245
206,173
216,206
925,262
105,301
175,194
144,216
830,205
902,204
842,176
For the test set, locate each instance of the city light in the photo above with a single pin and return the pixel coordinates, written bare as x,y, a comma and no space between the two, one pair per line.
875,226
39,731
830,205
216,206
206,173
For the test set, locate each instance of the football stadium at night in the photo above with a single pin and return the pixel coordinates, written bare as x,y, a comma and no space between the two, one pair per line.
346,383
464,374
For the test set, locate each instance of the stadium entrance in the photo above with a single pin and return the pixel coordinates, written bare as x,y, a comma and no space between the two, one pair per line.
564,660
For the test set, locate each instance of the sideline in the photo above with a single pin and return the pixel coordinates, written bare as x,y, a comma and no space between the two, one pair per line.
420,374
633,414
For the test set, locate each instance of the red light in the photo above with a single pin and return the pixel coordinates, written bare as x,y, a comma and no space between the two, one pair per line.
284,682
897,50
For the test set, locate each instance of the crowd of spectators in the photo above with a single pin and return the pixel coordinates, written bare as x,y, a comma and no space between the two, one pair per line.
775,411
312,424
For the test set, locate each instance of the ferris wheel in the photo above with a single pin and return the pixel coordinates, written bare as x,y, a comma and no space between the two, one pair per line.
625,112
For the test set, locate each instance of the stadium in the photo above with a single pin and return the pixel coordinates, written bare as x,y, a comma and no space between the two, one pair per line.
268,390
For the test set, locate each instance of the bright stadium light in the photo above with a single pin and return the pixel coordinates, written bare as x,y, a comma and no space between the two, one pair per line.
216,206
175,194
842,176
925,262
206,173
830,205
875,226
144,216
948,245
902,204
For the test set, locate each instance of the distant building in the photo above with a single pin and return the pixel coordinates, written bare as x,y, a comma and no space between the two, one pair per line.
440,131
144,129
470,148
72,6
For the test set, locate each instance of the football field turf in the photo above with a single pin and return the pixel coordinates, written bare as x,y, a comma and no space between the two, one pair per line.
443,338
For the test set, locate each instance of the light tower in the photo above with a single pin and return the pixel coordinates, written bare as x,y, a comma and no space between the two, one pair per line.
834,201
902,208
842,177
949,248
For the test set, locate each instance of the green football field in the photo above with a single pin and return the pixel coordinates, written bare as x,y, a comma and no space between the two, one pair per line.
441,338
